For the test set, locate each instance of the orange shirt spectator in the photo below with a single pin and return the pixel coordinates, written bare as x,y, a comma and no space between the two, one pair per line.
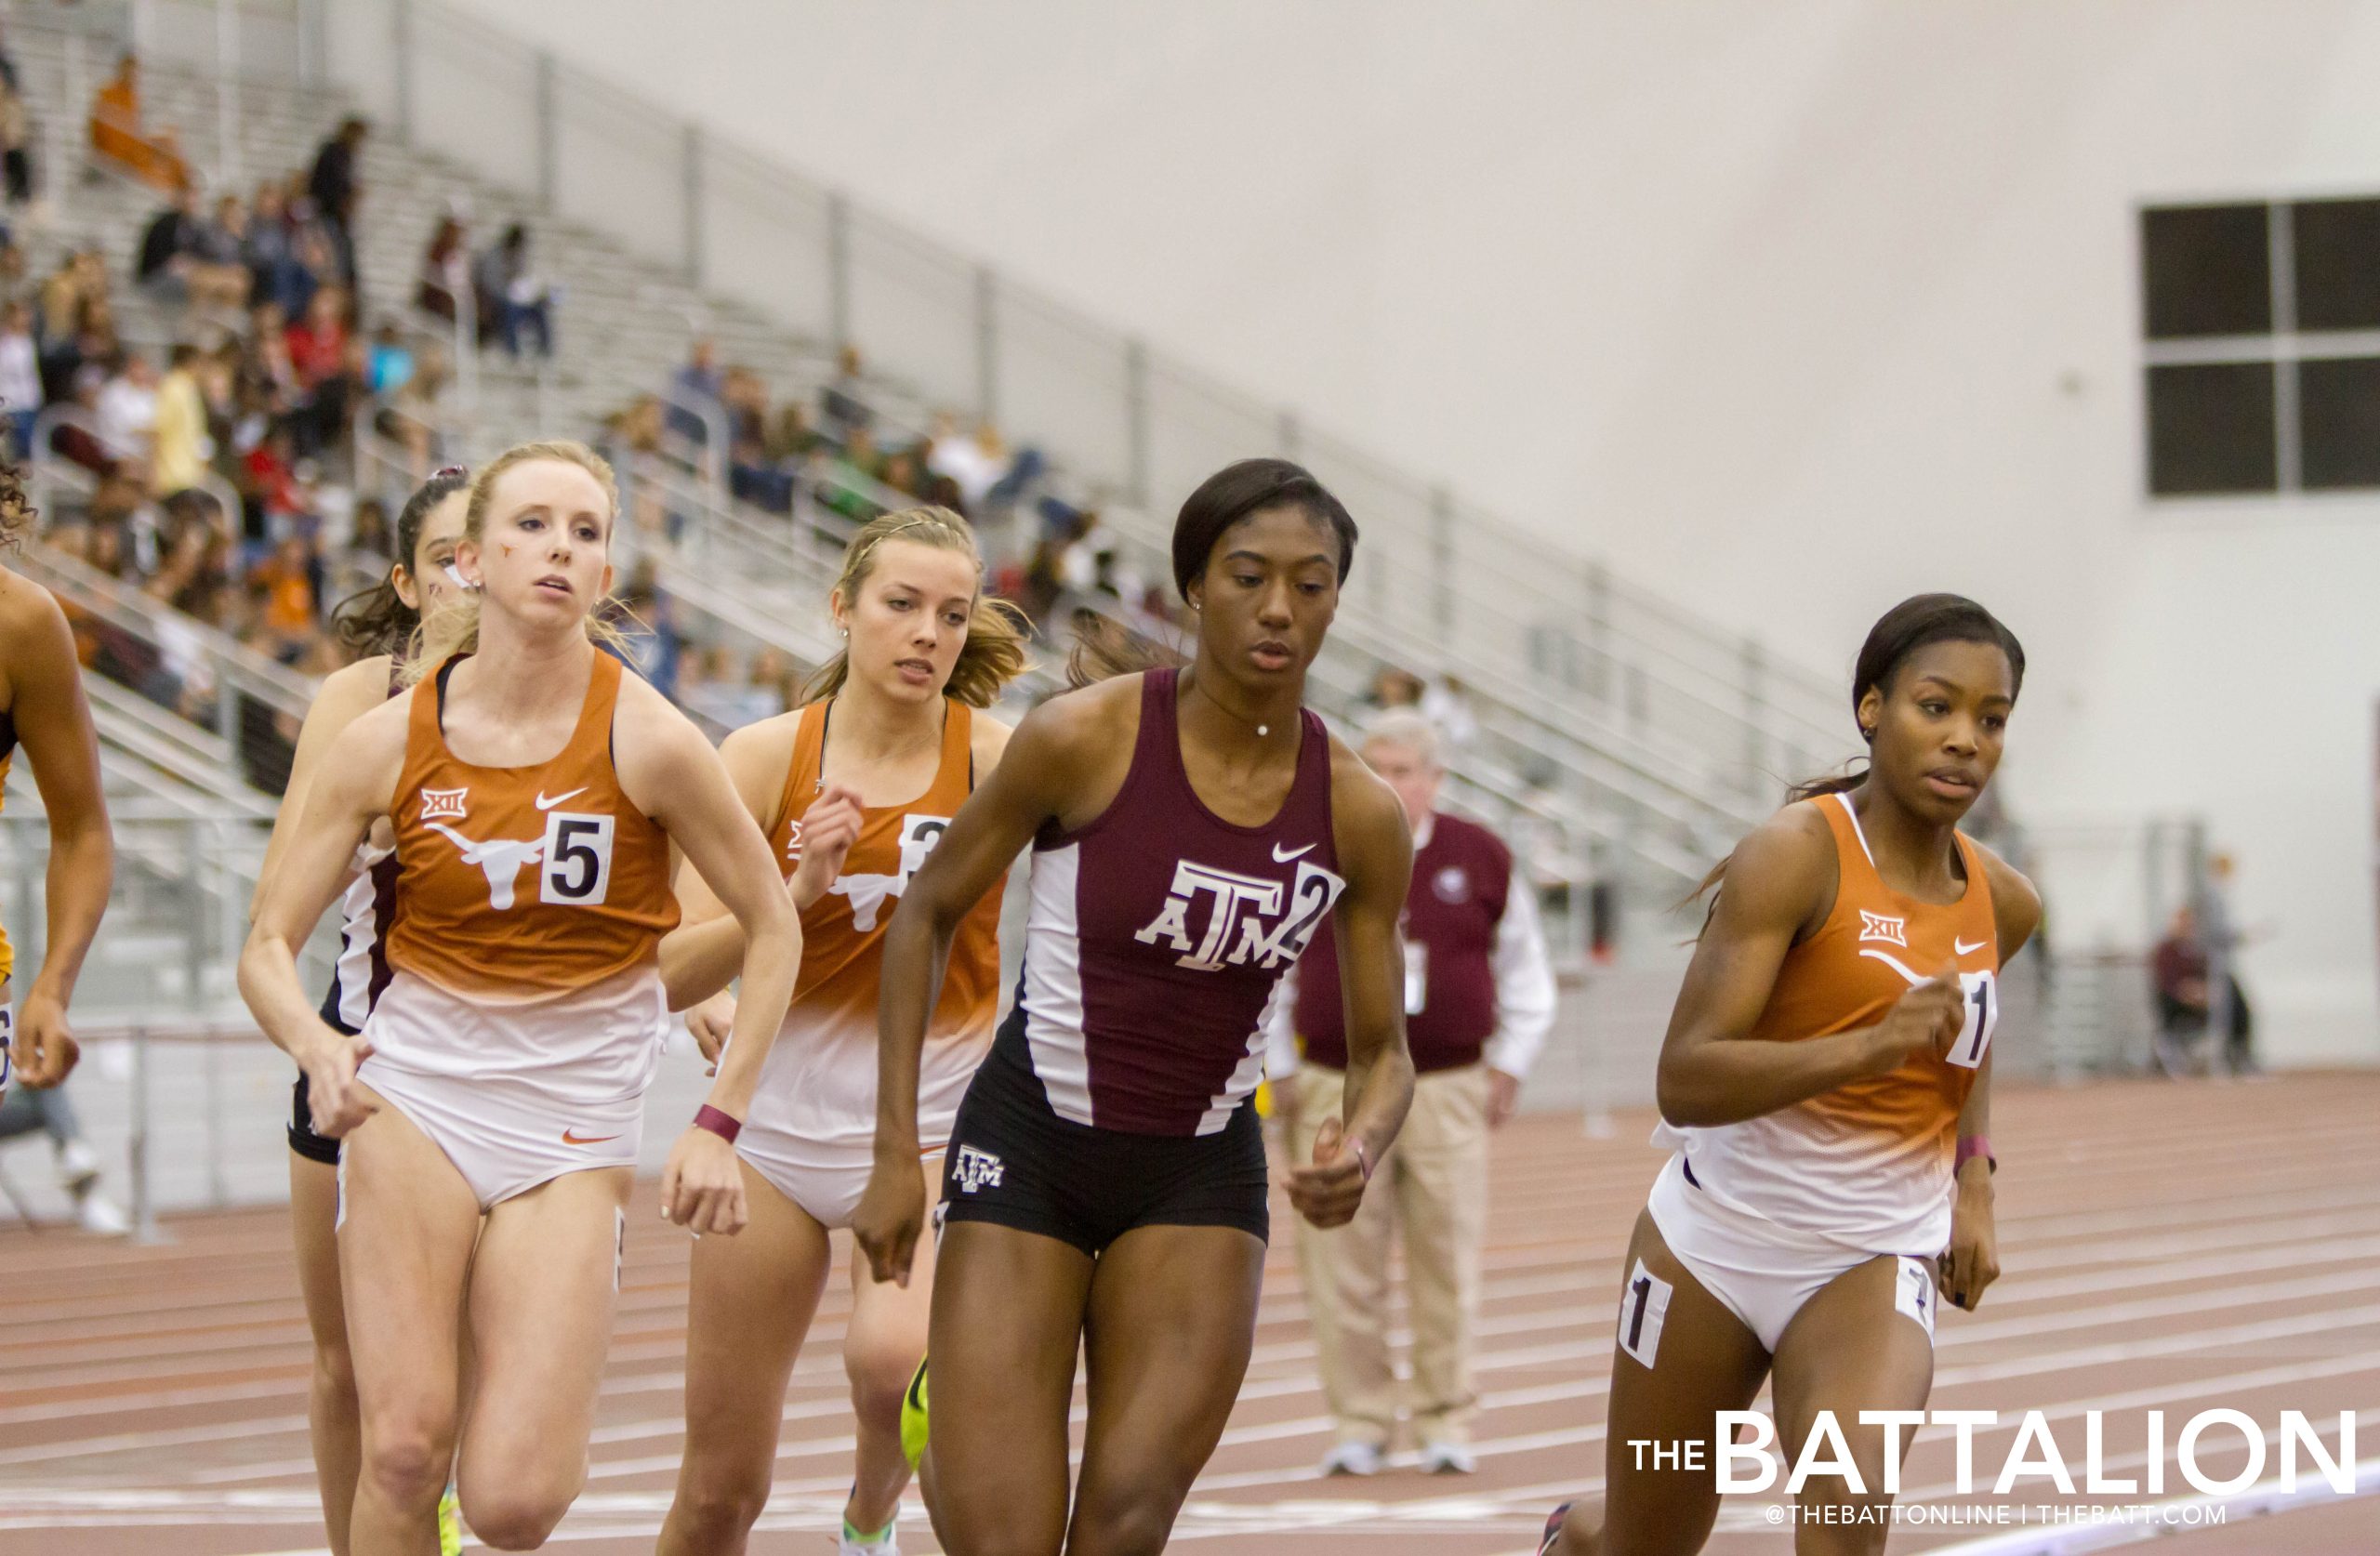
116,136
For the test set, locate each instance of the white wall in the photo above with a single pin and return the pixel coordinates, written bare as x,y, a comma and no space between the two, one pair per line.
1833,294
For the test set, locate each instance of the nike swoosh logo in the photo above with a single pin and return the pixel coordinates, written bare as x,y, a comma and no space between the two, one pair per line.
1963,949
1280,858
570,1138
545,804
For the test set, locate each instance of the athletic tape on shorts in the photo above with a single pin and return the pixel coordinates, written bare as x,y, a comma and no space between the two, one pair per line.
1913,1293
1643,1304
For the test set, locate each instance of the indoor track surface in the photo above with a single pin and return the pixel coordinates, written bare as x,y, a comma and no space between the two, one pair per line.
2166,1247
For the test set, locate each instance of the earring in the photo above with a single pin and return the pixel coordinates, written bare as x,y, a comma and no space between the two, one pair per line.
1867,733
842,632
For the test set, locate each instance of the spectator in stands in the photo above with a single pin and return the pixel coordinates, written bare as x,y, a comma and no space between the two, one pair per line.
127,409
791,436
844,397
16,139
390,365
221,254
445,269
650,628
186,258
1479,1001
78,442
1447,704
183,444
1393,687
20,393
58,328
975,462
318,354
334,191
266,363
512,297
775,673
119,139
275,272
696,392
2197,983
284,586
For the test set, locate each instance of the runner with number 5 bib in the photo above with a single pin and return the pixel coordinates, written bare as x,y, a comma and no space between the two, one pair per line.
490,1110
1826,1085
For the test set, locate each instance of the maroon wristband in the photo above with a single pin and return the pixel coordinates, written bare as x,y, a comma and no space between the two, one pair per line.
726,1125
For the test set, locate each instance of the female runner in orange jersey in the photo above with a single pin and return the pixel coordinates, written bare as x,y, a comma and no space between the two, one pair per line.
1826,1082
492,1107
855,790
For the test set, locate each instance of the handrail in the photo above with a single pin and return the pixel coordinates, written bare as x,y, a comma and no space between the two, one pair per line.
712,467
236,665
55,416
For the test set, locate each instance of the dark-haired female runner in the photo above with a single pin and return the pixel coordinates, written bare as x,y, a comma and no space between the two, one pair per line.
379,624
42,707
1826,1081
1105,1181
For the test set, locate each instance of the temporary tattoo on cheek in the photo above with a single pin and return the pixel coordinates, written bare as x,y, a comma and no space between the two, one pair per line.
508,548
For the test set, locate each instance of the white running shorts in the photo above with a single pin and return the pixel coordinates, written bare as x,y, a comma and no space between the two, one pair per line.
1761,1271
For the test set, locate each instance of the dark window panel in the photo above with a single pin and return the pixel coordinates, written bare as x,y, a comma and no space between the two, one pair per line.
2338,263
2340,411
2211,428
2205,269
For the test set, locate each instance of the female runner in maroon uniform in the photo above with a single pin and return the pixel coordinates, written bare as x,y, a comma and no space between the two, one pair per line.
1105,1181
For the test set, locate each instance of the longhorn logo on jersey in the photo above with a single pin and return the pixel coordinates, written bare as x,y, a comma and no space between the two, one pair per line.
867,893
575,850
1245,920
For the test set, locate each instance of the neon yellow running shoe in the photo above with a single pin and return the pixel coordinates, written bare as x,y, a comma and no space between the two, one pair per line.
450,1524
913,1418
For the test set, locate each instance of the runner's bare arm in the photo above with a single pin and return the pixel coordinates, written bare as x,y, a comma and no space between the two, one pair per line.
345,696
703,954
339,810
1375,848
54,725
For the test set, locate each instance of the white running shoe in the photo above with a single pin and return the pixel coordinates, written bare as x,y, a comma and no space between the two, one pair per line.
1354,1458
1449,1458
78,1167
102,1217
889,1546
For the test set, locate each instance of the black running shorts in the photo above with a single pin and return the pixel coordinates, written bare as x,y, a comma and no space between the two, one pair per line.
1015,1163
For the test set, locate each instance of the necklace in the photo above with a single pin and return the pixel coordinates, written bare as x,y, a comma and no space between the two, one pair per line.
1200,687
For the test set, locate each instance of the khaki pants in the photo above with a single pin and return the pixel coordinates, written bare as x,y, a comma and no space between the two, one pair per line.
1433,1183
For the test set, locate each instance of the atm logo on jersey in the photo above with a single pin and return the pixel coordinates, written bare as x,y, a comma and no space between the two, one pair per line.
1882,927
1246,918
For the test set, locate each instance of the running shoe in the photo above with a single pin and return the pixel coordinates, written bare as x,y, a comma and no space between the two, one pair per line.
913,1418
1449,1458
450,1524
1354,1458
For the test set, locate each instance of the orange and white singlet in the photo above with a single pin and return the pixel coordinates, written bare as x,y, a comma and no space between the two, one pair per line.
1869,1163
530,906
814,1110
